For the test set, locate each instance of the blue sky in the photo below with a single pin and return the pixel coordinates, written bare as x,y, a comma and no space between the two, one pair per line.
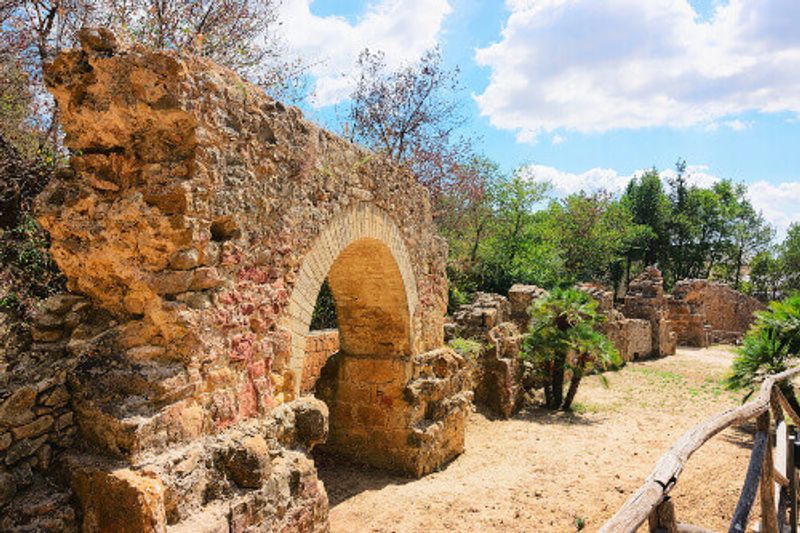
585,93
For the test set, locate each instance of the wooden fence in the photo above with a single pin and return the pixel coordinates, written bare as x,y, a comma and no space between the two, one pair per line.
775,476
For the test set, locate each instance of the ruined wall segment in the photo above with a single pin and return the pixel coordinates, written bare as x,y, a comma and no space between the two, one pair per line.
201,217
646,300
320,346
707,312
194,202
631,336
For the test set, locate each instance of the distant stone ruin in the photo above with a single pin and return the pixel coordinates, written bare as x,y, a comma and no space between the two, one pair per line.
647,322
705,312
195,225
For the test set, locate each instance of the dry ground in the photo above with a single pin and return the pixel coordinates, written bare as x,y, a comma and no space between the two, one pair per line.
543,472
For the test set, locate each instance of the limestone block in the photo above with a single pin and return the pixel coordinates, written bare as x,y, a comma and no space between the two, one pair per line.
120,500
18,408
248,462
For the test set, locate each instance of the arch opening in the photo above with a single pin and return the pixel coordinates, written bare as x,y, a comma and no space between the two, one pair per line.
363,382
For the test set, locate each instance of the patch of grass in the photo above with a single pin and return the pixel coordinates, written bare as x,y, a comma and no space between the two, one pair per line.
665,377
580,523
583,408
714,387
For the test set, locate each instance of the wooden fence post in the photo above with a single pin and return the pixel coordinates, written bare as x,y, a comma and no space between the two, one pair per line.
791,474
662,518
769,519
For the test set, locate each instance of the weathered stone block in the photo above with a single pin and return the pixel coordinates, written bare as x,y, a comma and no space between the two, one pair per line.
120,500
311,421
247,463
18,408
33,429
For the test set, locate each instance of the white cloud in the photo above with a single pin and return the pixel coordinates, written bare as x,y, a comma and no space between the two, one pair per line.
622,64
780,204
558,139
402,29
737,125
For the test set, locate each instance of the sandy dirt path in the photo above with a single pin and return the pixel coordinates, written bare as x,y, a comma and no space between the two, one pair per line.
545,472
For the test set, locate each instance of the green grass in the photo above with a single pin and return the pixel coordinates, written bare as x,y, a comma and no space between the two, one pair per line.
665,377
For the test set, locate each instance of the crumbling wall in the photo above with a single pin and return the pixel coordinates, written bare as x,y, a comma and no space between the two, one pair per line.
496,322
520,298
645,300
708,312
631,336
476,319
201,217
500,385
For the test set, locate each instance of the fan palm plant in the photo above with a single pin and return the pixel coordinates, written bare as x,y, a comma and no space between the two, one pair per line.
770,347
563,342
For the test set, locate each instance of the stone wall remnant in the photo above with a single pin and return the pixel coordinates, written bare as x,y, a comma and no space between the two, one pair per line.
476,319
520,298
500,384
646,300
201,217
631,336
320,346
706,312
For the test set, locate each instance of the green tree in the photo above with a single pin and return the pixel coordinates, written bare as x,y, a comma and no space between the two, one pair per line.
765,275
521,247
563,343
744,232
649,206
593,232
790,258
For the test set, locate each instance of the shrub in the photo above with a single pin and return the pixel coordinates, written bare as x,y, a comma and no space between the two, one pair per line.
563,342
28,272
468,348
771,346
324,315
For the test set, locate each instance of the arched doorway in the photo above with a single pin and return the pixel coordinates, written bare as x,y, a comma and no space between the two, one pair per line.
365,262
363,383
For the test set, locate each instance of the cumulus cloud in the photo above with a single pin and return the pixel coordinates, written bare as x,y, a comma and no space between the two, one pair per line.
622,64
402,29
780,203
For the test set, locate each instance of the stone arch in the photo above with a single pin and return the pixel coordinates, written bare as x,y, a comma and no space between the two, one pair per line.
364,237
191,217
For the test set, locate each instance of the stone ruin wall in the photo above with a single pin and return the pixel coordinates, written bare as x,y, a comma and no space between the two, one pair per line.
648,322
707,312
646,300
197,221
631,336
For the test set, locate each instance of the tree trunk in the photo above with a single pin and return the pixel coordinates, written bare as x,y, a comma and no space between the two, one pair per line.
548,395
558,384
573,389
738,267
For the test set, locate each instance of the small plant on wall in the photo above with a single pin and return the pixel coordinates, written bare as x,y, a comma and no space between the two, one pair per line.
563,345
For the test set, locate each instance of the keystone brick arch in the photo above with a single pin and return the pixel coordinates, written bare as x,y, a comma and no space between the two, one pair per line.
199,216
357,227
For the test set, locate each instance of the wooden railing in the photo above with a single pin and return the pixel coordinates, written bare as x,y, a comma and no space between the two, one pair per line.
651,502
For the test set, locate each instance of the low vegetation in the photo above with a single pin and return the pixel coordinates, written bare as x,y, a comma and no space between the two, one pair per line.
563,344
771,346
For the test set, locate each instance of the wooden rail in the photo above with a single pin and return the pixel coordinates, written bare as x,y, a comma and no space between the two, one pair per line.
650,500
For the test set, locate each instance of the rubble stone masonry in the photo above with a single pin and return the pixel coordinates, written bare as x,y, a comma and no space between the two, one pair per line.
197,221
